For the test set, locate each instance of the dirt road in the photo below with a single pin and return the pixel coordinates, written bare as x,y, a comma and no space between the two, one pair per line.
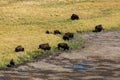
99,60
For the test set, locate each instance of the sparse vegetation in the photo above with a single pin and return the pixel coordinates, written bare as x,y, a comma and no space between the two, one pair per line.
24,22
77,42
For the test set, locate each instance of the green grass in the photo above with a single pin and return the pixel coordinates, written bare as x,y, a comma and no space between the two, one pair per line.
24,22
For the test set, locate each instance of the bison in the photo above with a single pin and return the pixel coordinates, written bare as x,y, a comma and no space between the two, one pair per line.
19,48
71,35
57,32
12,63
44,46
68,36
63,46
98,28
74,17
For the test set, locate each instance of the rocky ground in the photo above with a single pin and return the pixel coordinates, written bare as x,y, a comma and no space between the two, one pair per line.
98,60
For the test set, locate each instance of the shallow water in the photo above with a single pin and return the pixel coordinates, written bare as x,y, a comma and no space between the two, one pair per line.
86,70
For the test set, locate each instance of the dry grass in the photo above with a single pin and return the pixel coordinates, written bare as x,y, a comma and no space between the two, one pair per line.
24,22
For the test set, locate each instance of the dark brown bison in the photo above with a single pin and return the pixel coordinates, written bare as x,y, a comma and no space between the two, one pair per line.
19,48
11,64
63,46
71,35
68,36
98,28
47,32
57,32
74,17
44,46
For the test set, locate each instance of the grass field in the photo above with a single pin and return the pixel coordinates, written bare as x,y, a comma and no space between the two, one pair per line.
24,22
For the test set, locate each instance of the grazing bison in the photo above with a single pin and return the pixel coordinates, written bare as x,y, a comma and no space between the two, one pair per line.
57,32
68,36
12,63
98,28
74,17
47,32
71,35
63,45
19,48
44,46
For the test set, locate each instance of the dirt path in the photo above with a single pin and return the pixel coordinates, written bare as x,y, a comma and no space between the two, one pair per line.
99,60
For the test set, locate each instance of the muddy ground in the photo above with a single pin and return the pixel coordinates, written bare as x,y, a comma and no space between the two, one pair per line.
98,60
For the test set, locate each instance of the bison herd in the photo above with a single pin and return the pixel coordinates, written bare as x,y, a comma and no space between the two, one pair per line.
46,46
64,46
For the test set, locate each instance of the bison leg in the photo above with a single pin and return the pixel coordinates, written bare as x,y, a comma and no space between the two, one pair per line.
64,48
67,48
